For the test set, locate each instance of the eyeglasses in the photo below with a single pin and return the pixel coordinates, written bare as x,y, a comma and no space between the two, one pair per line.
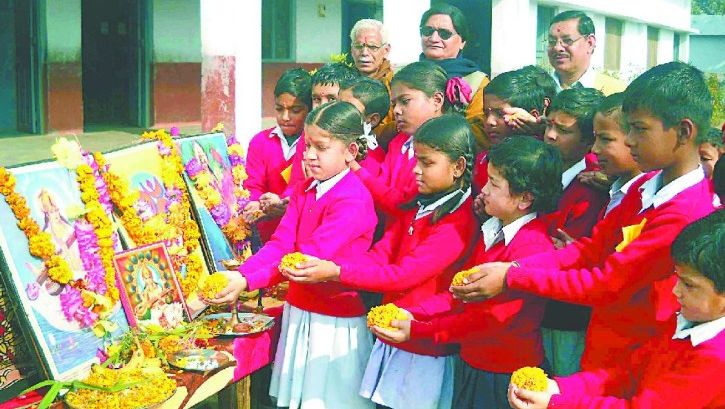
373,48
443,33
566,42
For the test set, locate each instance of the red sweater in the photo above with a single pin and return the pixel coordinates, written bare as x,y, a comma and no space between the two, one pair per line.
500,334
395,185
409,268
339,225
480,172
630,290
665,374
265,164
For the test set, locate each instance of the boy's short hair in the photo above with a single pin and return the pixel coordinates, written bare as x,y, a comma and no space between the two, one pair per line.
671,92
581,103
585,23
701,245
713,136
334,73
296,82
525,88
373,94
530,165
611,104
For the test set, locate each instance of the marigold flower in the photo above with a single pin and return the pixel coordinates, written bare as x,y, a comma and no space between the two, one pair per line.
458,278
213,285
291,260
530,378
382,315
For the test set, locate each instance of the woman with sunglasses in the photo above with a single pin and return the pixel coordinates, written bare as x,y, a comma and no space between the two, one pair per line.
443,35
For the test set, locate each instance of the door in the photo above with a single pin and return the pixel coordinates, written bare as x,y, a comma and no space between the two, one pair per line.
352,11
29,62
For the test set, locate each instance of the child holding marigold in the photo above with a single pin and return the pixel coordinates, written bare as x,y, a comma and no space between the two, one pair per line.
416,259
683,370
502,334
324,342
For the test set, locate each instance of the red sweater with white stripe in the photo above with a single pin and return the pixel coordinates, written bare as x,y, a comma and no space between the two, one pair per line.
500,334
665,374
630,290
414,261
337,226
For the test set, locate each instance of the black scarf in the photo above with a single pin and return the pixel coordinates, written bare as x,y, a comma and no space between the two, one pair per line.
455,67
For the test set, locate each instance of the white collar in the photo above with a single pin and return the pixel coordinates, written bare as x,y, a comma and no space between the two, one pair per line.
587,80
698,333
426,210
568,176
325,186
408,148
654,194
493,227
287,149
618,191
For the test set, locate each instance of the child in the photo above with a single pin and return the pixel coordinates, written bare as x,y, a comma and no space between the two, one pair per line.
502,334
711,148
371,97
418,94
525,91
624,270
416,259
324,344
680,371
612,153
570,130
270,152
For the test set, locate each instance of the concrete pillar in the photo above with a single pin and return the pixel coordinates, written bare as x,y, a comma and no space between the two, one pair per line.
231,68
513,35
402,19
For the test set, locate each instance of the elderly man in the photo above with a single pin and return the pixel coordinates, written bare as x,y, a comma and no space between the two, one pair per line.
571,43
369,49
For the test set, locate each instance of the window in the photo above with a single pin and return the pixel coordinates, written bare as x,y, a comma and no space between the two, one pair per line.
544,15
612,44
653,35
676,47
277,30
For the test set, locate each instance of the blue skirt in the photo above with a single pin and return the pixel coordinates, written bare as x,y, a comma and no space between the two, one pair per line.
403,380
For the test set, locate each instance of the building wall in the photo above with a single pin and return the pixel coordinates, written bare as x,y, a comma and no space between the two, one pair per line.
318,30
176,61
703,55
8,98
63,70
665,46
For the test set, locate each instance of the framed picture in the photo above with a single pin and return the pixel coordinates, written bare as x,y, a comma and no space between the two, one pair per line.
150,291
141,166
66,350
210,151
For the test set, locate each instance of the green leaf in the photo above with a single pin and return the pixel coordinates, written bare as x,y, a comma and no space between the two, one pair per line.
50,396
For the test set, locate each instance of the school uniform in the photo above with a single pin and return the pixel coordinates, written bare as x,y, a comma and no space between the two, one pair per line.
680,371
395,185
627,282
619,189
324,342
564,325
269,158
414,260
499,335
480,172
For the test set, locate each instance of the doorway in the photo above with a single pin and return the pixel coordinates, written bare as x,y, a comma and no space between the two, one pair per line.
354,10
116,63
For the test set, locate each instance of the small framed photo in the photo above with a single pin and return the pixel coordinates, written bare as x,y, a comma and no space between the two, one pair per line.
150,291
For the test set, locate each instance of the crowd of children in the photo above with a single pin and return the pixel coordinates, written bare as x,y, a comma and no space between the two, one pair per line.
593,234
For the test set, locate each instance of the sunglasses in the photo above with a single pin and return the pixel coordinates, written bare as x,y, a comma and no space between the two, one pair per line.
443,33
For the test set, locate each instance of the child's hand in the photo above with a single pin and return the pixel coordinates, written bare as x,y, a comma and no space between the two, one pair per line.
523,122
523,399
479,208
272,205
252,212
489,281
230,293
399,333
312,271
596,179
561,239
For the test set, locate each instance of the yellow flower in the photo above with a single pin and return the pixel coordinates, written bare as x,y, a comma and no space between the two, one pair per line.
382,315
212,285
290,261
239,173
67,153
219,127
530,378
58,270
461,275
103,327
41,246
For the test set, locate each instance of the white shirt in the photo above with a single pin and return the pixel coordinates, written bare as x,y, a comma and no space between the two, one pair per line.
698,333
325,186
426,210
493,229
617,192
407,148
654,194
568,176
287,149
586,80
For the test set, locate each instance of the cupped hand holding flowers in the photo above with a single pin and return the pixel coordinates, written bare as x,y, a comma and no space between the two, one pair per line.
520,398
235,285
398,329
313,270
